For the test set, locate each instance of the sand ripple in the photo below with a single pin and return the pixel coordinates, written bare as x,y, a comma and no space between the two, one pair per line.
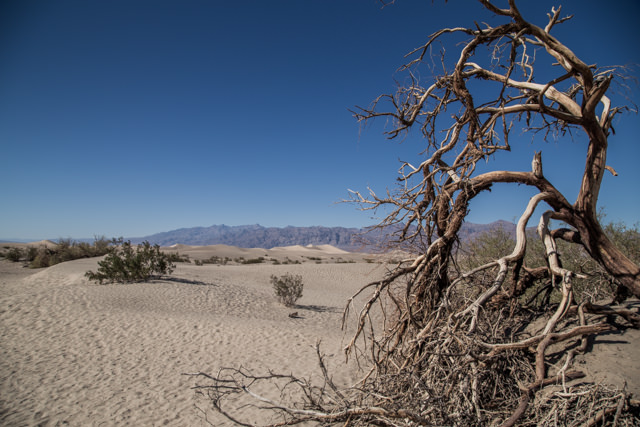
76,353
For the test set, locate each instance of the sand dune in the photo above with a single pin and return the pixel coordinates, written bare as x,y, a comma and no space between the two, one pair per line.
323,249
77,353
326,253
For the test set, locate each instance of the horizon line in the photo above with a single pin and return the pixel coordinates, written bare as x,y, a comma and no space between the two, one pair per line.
31,240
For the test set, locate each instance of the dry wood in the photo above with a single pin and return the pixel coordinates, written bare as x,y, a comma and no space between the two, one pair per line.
437,344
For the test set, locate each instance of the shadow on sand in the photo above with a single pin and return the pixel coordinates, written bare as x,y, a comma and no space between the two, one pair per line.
187,281
319,308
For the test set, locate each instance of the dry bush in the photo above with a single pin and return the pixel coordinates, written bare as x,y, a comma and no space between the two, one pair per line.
288,288
126,264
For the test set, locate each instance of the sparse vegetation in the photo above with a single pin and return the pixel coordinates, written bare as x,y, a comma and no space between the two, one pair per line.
176,257
594,283
63,250
126,264
214,260
13,254
288,288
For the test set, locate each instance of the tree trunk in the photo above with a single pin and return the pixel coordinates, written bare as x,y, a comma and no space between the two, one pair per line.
608,255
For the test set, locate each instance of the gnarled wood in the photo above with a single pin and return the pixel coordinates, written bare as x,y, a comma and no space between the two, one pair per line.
440,348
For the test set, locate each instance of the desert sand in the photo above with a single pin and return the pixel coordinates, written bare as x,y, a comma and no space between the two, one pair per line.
77,353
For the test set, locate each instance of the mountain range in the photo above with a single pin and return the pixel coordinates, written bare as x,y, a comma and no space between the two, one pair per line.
257,236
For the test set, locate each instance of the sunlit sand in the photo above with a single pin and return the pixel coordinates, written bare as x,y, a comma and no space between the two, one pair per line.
78,353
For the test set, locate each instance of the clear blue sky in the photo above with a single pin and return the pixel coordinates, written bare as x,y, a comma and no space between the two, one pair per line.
130,117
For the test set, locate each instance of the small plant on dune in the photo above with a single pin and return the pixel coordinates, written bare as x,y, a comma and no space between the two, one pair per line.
67,250
64,250
213,260
43,257
288,288
176,257
31,254
125,263
13,254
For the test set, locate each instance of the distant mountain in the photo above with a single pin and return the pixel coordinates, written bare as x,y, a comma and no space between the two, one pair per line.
257,236
16,240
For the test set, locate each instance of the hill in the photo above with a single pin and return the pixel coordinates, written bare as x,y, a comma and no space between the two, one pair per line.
257,236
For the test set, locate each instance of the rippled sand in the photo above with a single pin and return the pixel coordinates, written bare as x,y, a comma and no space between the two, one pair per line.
77,353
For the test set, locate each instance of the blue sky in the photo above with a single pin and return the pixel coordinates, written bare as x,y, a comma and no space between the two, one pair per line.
130,117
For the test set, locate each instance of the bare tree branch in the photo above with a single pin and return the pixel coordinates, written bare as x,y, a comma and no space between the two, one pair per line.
442,342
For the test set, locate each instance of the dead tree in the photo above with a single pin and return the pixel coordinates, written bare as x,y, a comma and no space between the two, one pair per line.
437,192
442,346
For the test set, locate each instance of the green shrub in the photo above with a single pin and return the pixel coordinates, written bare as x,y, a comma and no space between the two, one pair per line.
13,254
288,288
31,253
43,258
214,260
64,250
176,257
598,285
126,264
101,245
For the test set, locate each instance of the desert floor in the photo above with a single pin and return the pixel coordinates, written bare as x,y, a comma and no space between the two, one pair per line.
73,352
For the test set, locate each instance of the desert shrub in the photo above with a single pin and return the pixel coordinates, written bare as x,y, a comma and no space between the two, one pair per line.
288,288
101,245
601,284
13,254
626,238
44,257
176,257
64,250
214,260
31,253
258,260
597,286
125,263
488,246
